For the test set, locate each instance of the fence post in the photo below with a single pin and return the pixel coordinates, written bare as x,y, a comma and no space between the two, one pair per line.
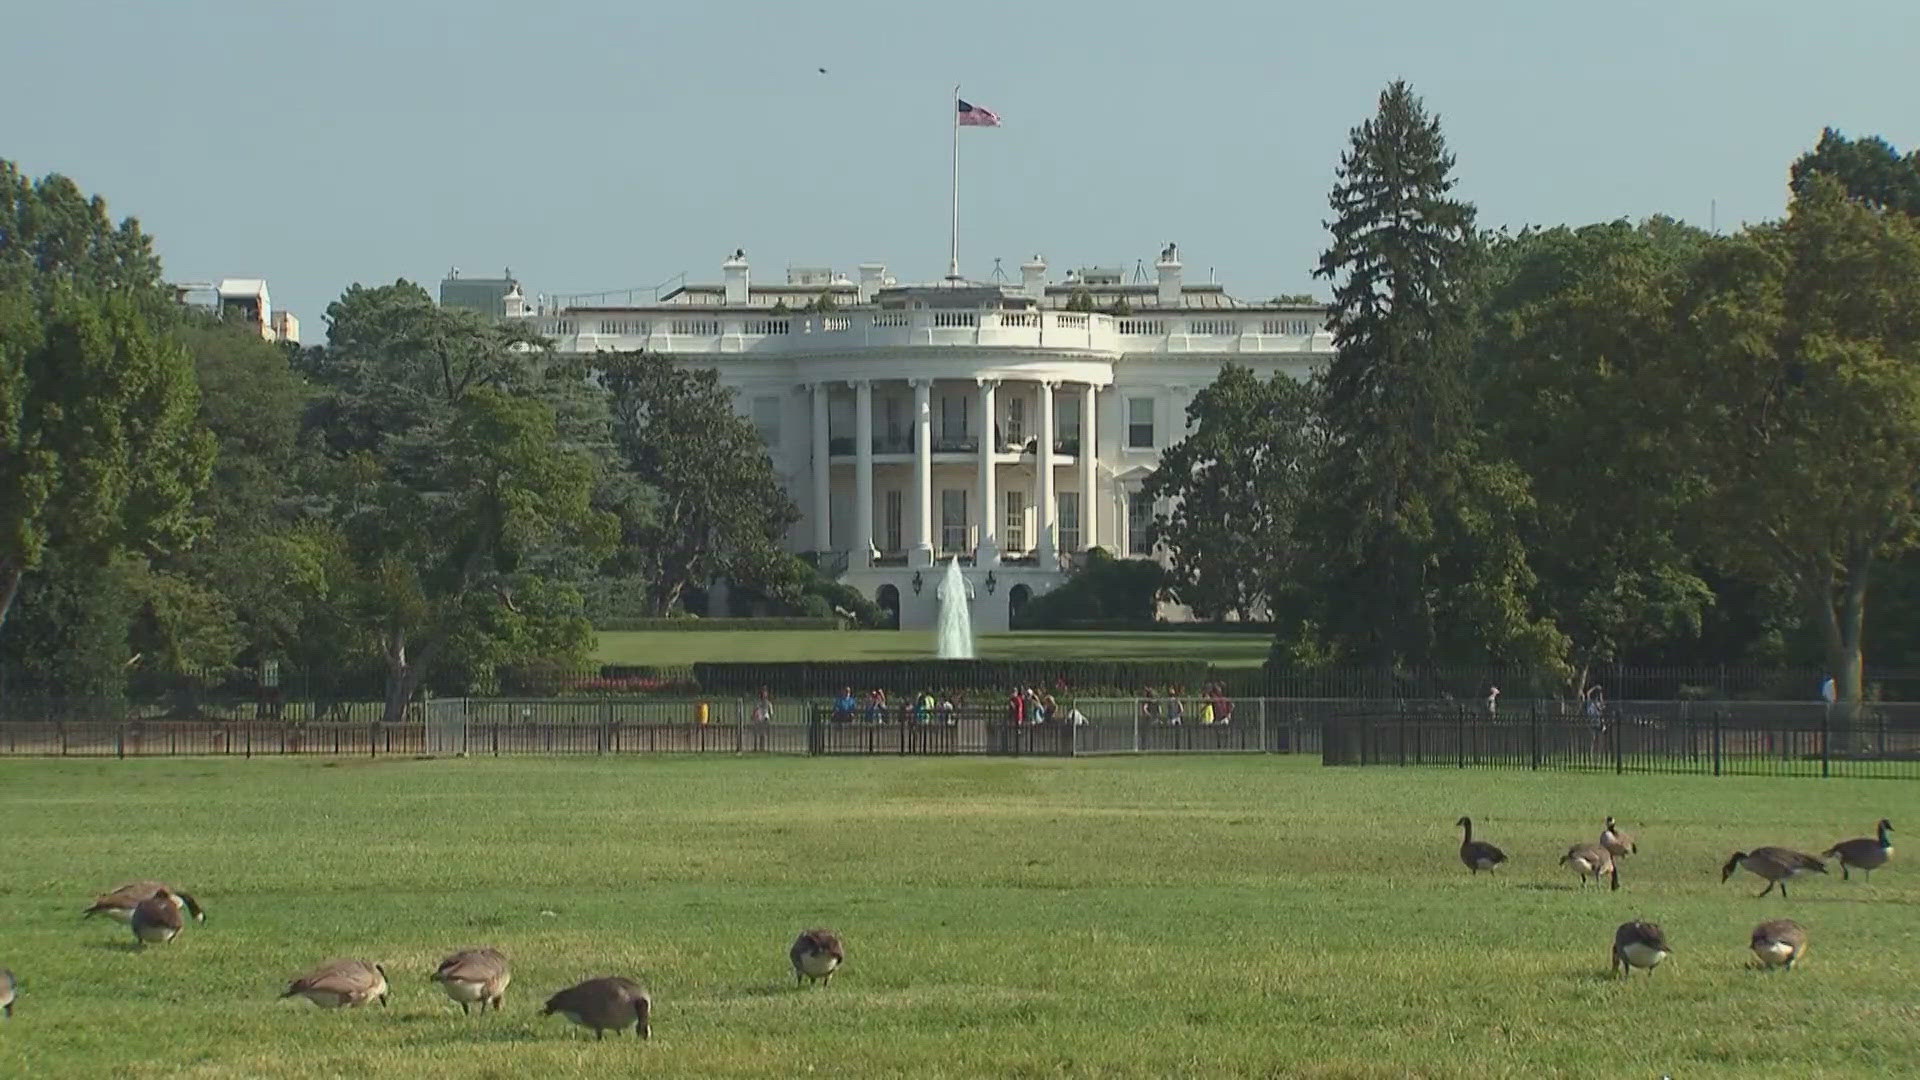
1619,766
1716,742
120,740
1460,735
1264,744
1826,740
1533,723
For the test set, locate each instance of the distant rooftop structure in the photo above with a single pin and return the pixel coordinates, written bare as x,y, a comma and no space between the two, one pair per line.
243,300
493,298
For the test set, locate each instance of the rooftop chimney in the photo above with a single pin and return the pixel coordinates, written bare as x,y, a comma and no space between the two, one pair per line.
1033,278
873,277
1169,267
736,277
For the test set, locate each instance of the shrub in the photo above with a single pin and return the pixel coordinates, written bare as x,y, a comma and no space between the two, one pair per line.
688,623
1105,589
990,677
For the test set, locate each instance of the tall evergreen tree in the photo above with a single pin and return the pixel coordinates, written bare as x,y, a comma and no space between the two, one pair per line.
1415,530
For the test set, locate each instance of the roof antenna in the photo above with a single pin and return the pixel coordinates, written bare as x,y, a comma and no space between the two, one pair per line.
998,274
1139,270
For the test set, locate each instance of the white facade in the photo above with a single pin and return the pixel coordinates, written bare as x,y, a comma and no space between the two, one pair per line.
913,424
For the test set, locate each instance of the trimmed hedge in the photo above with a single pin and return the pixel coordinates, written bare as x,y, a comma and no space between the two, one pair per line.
997,677
771,622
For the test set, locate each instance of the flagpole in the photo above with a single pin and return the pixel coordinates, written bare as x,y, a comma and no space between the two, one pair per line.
953,240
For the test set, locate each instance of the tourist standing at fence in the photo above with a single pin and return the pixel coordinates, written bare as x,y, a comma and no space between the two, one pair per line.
1049,709
763,708
946,709
1176,712
876,707
1222,706
1016,707
1149,708
1493,702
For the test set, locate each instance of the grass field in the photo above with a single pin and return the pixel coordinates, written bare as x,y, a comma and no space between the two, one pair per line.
669,647
1245,916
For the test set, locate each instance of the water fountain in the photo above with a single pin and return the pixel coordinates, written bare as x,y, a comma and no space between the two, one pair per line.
953,629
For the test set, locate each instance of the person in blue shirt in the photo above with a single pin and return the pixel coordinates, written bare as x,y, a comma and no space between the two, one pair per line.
843,706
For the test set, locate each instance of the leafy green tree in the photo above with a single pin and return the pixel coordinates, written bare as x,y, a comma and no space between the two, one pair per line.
101,449
1236,486
1869,169
1578,391
50,232
718,509
1804,359
462,484
1417,530
98,448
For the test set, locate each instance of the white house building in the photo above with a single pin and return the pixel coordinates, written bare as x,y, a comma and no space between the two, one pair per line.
1005,425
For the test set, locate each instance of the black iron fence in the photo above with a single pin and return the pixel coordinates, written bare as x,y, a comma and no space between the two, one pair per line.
354,693
1745,738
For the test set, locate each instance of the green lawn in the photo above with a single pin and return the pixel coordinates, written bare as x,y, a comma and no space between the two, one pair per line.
1226,916
669,647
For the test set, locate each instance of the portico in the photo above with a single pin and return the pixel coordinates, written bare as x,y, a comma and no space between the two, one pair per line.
983,479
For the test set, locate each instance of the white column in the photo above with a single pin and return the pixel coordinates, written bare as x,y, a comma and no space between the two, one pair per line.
822,475
1089,451
863,473
1048,555
987,552
923,471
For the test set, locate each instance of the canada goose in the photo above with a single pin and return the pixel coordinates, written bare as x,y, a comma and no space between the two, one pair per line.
1616,842
1863,854
474,975
1776,864
1591,859
119,904
816,954
1478,854
341,982
6,993
603,1004
1779,942
1639,945
156,919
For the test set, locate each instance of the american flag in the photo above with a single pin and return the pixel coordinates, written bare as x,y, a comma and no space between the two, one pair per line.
975,116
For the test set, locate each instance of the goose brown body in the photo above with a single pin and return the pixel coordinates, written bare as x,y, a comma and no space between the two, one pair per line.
1779,942
339,983
475,976
609,1003
1639,945
156,920
119,903
816,955
7,992
1776,864
1617,843
1591,860
1478,855
1865,854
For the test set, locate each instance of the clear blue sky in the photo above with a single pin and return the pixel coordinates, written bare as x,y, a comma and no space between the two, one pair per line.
595,144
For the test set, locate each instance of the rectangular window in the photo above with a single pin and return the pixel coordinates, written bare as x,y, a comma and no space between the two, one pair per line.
1015,530
840,520
890,409
766,419
1140,423
953,521
1066,424
891,520
1139,525
953,419
1070,521
1016,432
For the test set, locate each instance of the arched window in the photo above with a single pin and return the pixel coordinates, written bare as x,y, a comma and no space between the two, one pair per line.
888,598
